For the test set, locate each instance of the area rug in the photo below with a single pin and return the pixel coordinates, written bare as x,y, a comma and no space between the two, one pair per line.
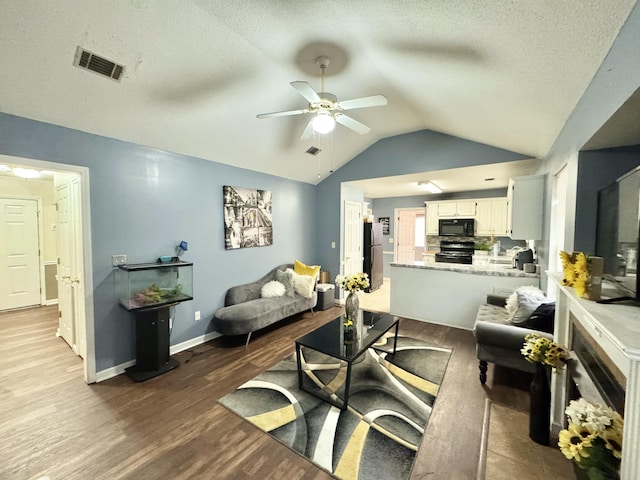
377,436
507,452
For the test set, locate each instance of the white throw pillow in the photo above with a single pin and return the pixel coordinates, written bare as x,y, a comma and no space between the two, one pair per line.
523,302
302,284
272,289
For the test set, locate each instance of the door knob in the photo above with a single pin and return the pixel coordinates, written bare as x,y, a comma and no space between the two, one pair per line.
75,280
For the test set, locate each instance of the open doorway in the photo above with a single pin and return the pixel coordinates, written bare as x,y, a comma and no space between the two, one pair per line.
65,237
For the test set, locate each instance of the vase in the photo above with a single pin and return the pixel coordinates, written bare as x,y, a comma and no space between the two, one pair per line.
540,406
351,306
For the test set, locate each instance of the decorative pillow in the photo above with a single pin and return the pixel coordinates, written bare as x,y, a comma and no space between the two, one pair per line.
285,278
542,318
522,303
303,284
302,269
272,289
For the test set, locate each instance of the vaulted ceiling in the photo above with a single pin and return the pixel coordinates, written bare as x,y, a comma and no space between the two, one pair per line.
503,73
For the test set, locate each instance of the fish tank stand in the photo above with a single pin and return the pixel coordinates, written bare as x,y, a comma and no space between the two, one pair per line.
149,291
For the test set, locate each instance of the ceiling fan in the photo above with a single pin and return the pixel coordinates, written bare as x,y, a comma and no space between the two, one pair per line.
326,108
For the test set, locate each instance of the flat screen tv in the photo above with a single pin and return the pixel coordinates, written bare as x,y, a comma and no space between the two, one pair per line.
618,234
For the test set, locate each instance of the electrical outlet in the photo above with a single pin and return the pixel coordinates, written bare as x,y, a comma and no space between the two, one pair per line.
333,244
118,260
197,315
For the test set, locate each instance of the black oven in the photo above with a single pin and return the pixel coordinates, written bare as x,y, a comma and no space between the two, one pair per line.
456,227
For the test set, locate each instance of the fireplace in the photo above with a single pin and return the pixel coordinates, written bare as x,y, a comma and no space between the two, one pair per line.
592,373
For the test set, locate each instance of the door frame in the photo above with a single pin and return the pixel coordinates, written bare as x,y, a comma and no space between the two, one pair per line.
87,267
39,213
396,213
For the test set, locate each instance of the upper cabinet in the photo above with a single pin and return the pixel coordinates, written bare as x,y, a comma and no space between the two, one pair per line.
491,216
432,218
457,208
525,201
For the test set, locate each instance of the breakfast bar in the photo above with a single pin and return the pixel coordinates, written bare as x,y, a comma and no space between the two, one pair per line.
449,294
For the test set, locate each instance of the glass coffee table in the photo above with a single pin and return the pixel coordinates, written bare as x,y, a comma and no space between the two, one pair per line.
331,339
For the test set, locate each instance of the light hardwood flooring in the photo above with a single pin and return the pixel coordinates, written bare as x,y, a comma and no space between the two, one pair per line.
54,426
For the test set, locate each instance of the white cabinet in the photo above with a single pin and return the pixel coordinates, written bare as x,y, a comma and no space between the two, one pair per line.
491,216
456,208
432,218
525,202
466,208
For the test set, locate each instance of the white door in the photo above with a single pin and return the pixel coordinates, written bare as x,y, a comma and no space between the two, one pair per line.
405,236
66,326
19,253
352,238
77,267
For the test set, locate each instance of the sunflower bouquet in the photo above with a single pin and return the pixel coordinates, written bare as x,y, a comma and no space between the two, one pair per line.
575,267
353,283
538,349
593,438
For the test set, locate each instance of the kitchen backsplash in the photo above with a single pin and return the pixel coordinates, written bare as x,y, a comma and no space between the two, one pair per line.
433,242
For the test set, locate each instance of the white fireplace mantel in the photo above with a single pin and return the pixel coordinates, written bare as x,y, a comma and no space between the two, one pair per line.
616,329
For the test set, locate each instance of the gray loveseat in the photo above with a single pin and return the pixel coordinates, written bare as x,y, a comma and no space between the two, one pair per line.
498,340
245,311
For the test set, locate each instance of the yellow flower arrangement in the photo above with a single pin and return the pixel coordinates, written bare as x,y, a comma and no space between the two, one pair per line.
575,267
593,438
538,349
354,282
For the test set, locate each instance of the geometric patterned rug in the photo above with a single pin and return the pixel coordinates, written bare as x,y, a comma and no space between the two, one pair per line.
390,401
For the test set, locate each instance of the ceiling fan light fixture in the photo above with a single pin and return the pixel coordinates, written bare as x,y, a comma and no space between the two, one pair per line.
323,122
430,187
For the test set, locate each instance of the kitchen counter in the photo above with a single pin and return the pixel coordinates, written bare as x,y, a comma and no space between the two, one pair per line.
450,293
493,269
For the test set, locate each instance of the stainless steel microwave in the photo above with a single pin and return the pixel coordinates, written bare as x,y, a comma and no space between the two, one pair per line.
456,227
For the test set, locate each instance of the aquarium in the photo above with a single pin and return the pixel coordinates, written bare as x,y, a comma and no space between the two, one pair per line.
152,285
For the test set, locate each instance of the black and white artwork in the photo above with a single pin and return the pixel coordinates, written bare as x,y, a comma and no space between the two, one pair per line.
247,217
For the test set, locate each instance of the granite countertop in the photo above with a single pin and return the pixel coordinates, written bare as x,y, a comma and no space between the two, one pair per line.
495,270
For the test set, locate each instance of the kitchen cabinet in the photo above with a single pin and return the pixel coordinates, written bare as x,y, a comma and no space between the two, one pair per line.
432,218
491,216
524,207
457,208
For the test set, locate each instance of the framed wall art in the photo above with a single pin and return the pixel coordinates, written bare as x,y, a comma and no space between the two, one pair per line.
247,217
385,225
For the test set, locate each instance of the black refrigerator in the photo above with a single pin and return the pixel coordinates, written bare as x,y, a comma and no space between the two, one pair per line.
372,251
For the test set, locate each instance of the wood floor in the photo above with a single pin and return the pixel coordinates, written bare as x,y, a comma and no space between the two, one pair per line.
54,426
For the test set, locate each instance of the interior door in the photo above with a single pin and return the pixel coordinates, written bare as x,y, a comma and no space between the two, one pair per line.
352,238
405,236
66,326
77,266
19,253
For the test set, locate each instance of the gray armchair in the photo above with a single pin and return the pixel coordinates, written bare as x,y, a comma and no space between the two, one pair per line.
498,340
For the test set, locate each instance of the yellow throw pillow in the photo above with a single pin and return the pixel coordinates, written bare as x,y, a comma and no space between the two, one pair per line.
302,269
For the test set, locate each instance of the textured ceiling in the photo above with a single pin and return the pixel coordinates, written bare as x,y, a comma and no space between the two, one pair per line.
503,73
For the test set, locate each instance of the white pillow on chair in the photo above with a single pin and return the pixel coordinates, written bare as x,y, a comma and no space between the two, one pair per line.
272,289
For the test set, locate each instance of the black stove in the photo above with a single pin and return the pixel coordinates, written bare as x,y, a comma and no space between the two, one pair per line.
452,251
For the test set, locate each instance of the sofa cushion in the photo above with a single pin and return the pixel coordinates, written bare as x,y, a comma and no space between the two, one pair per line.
285,278
303,284
272,289
302,269
522,303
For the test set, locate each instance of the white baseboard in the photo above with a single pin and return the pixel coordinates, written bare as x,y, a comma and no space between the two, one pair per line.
53,301
116,370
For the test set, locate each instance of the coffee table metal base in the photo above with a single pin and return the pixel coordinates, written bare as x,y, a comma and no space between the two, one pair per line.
342,405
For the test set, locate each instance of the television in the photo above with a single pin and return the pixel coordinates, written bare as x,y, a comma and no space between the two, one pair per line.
618,235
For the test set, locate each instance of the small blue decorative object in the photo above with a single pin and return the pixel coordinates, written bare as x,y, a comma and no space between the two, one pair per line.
165,258
182,247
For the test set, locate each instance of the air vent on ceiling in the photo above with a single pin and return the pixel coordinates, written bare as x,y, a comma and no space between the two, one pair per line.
90,61
313,151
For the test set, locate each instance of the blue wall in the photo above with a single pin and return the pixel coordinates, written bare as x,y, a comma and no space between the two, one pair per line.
415,152
144,201
596,170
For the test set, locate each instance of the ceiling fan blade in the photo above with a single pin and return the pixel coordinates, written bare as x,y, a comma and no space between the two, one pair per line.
362,102
354,125
282,114
307,133
306,91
